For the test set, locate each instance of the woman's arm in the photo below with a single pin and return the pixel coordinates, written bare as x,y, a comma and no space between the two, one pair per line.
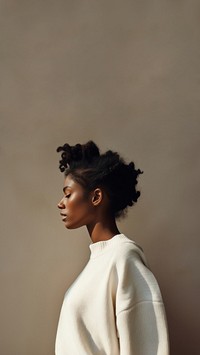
142,330
140,315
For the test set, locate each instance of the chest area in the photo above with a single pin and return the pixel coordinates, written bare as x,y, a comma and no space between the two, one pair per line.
93,290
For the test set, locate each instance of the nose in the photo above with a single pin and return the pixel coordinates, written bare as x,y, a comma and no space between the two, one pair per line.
61,204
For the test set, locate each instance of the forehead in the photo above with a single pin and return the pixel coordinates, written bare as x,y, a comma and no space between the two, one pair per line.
70,183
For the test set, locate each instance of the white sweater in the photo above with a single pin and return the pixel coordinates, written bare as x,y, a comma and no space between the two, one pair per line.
114,307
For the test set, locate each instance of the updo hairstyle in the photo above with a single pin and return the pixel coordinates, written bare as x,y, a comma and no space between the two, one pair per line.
91,169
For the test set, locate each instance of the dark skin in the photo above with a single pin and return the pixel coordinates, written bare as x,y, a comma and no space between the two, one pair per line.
92,210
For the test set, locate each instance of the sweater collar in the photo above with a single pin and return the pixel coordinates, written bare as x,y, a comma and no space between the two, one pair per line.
102,246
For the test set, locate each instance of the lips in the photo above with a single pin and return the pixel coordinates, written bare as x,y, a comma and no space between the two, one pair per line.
64,216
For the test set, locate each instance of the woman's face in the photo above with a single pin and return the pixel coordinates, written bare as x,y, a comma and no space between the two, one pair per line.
76,207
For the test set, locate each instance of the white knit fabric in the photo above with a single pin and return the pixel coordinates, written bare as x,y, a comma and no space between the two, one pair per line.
114,307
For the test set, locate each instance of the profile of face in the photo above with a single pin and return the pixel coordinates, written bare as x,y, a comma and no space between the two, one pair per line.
76,207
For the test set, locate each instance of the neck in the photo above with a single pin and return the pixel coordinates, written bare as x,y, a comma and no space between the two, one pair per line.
102,230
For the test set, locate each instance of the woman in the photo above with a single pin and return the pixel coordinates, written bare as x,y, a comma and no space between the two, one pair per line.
114,307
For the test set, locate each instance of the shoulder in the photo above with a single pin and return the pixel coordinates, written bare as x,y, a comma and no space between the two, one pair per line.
133,273
127,251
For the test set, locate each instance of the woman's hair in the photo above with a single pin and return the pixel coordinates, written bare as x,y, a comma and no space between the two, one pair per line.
91,169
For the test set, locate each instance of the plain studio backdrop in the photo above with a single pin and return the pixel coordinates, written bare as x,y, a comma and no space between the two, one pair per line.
125,74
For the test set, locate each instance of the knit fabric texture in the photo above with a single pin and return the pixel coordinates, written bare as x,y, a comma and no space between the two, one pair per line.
114,307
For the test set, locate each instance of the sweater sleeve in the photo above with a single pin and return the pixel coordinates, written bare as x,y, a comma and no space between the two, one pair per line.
140,314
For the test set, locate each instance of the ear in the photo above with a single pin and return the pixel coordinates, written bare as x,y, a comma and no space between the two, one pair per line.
97,196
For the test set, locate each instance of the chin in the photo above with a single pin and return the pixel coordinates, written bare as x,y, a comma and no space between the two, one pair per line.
71,226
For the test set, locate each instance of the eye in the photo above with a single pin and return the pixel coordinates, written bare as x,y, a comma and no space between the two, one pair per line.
67,196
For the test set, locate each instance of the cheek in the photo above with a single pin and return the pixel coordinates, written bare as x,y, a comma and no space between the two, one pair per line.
77,206
78,214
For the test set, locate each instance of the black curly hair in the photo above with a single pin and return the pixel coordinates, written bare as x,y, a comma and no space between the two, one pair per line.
91,169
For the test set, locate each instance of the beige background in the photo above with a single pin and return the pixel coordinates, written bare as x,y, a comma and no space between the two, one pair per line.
125,74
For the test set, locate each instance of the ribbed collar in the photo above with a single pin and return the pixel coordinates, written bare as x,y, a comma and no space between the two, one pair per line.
104,245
